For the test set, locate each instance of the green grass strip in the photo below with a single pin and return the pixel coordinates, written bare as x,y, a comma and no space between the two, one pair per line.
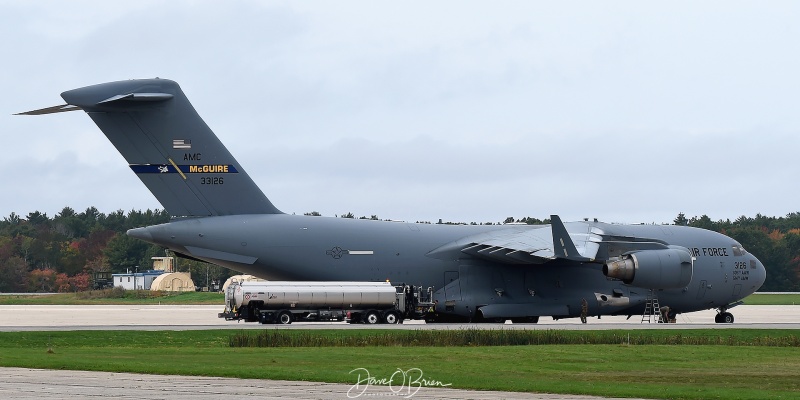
506,337
117,297
757,370
772,299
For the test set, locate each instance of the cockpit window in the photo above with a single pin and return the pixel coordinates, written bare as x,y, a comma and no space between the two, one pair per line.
738,250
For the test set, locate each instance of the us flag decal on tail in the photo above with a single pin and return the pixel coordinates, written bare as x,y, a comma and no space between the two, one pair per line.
181,144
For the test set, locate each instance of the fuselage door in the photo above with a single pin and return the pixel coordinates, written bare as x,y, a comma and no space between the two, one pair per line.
701,291
452,288
737,290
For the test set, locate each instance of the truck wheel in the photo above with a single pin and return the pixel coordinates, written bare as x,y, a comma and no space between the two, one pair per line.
372,318
285,318
391,317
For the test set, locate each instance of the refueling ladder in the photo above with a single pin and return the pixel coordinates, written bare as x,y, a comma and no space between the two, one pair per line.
652,310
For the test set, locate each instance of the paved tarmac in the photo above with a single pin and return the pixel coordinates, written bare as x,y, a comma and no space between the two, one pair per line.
169,317
21,383
38,384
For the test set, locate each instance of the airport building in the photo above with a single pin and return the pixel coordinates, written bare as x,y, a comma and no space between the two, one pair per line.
136,280
161,278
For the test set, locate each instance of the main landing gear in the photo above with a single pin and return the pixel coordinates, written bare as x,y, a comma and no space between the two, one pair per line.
723,317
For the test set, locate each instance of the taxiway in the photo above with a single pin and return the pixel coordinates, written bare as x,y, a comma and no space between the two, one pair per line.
170,317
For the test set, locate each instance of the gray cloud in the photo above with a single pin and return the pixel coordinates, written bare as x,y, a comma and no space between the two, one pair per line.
417,111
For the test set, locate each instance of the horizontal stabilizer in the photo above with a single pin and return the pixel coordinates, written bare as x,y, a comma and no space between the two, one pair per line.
51,110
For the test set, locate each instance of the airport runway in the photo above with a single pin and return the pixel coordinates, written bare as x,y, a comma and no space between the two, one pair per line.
168,317
22,383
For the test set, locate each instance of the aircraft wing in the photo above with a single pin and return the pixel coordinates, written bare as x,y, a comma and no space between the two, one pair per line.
531,244
528,244
534,246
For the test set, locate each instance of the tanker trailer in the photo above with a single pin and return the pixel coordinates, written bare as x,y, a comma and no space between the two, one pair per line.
284,302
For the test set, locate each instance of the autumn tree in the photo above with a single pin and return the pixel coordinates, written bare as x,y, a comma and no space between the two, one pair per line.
125,253
42,280
13,275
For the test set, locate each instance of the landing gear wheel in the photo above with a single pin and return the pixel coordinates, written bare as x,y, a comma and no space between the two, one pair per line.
724,318
372,318
391,317
285,318
727,318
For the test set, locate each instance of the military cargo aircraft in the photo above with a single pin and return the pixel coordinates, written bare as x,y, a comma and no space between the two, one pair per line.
478,273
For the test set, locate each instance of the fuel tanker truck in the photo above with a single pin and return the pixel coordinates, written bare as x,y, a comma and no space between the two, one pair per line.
354,302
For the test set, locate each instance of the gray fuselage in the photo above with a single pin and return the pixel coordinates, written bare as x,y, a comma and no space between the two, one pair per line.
289,247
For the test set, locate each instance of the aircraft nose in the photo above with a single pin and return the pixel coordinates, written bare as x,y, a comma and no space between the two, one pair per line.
760,273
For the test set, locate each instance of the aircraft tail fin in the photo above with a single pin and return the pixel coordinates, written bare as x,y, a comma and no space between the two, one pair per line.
169,147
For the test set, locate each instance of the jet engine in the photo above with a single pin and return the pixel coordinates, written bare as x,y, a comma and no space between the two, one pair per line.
652,269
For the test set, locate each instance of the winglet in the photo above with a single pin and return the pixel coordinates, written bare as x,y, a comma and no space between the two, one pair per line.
563,247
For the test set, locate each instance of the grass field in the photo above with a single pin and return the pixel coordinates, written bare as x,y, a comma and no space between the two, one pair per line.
745,370
773,299
95,297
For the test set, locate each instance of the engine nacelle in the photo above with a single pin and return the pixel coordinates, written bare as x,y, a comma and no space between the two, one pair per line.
653,269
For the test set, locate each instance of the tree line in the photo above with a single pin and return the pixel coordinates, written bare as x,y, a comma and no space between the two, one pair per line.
39,253
47,254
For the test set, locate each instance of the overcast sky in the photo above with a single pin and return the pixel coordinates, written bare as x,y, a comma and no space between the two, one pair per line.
621,111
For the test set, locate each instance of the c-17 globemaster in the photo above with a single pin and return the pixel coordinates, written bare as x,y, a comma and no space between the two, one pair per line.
479,273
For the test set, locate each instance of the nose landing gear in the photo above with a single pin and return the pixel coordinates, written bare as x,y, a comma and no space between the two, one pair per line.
723,316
